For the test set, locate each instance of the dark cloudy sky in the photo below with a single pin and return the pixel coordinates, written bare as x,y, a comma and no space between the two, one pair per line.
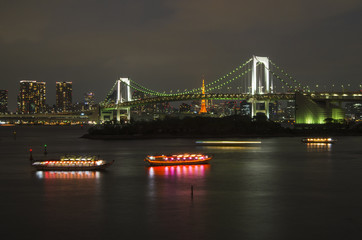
165,44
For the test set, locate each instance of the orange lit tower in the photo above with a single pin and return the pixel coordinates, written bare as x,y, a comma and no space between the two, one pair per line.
203,103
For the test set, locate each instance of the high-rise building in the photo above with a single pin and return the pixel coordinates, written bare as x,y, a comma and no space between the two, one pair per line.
3,101
63,95
245,108
88,100
354,111
31,97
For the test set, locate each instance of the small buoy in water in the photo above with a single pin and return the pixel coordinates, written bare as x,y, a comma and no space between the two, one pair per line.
31,154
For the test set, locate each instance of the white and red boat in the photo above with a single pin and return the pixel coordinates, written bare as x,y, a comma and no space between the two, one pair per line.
178,159
319,140
71,163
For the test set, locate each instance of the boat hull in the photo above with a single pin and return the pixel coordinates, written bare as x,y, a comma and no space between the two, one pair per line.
72,168
313,141
175,163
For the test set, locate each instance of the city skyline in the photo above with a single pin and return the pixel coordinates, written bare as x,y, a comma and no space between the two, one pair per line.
168,46
62,95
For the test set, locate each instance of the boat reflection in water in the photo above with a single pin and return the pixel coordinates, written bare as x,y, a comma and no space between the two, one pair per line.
168,184
179,171
176,190
319,140
319,147
230,144
227,143
72,186
229,147
67,175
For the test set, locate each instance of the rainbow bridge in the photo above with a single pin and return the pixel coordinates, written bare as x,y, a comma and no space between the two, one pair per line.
258,81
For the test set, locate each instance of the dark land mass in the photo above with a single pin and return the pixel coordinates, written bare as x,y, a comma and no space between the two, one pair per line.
226,127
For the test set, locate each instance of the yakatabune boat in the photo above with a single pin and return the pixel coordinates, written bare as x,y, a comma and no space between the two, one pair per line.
318,140
177,159
71,163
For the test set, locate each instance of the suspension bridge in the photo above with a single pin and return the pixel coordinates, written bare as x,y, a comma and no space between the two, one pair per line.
258,81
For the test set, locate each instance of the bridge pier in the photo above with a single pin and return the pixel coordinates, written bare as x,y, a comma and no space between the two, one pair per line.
125,115
115,114
255,107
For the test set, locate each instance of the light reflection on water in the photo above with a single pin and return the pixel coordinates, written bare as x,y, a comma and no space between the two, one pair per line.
67,175
319,147
179,171
230,147
280,190
167,182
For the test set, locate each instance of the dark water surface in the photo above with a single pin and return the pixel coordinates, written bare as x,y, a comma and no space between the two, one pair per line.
282,189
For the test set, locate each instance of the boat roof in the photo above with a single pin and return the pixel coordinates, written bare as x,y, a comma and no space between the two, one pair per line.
319,138
79,157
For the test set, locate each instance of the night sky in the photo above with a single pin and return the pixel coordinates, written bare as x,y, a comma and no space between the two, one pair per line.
167,45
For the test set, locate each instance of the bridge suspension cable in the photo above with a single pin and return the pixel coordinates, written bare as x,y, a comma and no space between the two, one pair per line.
286,84
139,87
229,81
219,83
110,93
142,88
288,76
208,86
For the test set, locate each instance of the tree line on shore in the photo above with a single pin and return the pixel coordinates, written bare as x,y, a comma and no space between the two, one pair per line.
235,125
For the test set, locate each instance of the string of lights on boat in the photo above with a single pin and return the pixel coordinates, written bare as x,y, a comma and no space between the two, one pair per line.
70,163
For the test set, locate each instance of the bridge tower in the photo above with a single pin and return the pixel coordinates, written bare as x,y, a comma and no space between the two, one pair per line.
260,85
123,95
